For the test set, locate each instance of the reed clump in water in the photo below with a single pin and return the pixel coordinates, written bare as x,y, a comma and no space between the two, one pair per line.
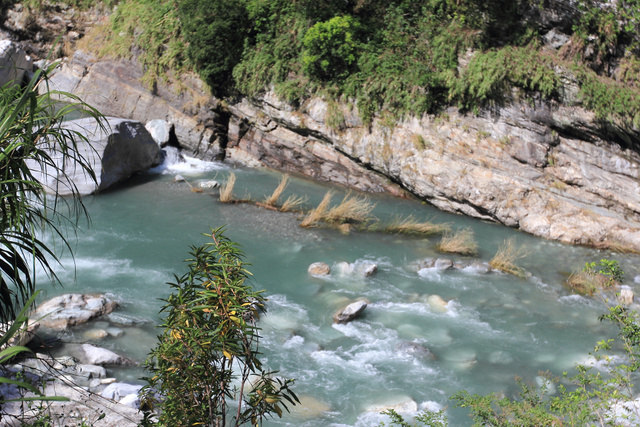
316,215
272,200
293,203
226,191
350,210
506,257
461,242
585,283
410,225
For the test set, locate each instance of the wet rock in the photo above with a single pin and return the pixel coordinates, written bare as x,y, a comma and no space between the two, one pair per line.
462,358
208,184
343,268
68,310
115,332
416,350
350,312
443,264
319,269
92,355
124,320
479,267
425,263
437,303
366,268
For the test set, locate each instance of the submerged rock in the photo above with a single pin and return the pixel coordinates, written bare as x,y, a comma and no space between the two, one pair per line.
343,268
309,408
437,303
366,268
350,312
415,349
400,404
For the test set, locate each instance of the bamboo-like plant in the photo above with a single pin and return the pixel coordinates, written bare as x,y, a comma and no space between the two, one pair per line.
32,134
209,342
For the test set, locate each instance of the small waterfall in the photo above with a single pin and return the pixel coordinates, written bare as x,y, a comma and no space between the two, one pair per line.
175,161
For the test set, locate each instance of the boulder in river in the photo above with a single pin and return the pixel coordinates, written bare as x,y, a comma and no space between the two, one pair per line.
350,312
68,310
92,355
319,269
114,152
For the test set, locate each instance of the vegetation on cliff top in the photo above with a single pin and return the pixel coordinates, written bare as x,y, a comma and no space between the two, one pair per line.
397,56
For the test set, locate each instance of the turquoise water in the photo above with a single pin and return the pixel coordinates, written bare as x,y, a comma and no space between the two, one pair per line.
495,326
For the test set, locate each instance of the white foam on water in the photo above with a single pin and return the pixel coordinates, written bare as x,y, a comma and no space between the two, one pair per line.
430,273
109,268
175,162
349,367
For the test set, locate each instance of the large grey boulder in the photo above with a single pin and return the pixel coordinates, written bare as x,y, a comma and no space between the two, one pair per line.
14,63
68,310
114,152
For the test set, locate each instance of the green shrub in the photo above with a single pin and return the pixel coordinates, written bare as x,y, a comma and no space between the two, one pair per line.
206,363
490,75
330,48
215,31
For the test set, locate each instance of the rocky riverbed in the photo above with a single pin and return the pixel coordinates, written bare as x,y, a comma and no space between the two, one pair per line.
82,374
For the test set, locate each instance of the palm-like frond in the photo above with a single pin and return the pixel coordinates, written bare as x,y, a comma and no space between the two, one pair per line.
33,141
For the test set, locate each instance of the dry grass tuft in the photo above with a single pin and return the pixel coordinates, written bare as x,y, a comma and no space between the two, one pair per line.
616,246
292,203
317,214
226,191
273,198
506,257
585,283
461,242
410,225
351,209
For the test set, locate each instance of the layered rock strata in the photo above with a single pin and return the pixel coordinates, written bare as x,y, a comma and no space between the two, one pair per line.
547,168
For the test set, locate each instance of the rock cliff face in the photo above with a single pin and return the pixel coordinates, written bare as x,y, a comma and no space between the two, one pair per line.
549,169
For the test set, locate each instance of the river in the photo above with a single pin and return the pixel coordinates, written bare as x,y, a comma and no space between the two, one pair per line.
495,326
